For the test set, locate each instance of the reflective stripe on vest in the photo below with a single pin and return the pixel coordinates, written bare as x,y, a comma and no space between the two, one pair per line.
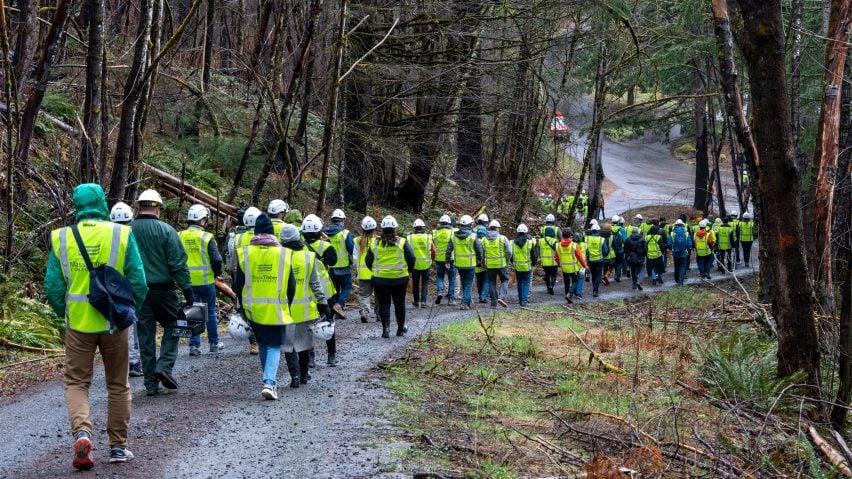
277,226
465,251
746,231
303,307
523,256
319,246
389,261
654,250
364,272
595,246
548,245
568,257
265,290
243,239
421,243
339,242
724,237
495,252
196,243
442,238
106,243
611,240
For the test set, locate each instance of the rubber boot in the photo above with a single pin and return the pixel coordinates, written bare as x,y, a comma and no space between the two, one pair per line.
311,361
386,328
401,328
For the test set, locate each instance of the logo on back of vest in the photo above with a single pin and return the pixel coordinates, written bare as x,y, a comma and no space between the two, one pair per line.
264,268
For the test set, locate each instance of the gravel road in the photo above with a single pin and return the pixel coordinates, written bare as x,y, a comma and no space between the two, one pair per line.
217,425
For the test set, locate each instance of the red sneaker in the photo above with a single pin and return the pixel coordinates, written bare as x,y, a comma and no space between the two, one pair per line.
82,452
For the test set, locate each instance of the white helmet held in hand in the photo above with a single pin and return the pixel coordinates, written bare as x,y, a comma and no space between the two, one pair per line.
550,218
250,216
595,227
445,219
465,220
238,328
483,218
311,224
368,223
389,222
150,196
197,213
323,330
121,213
338,214
593,221
522,228
418,223
277,206
494,224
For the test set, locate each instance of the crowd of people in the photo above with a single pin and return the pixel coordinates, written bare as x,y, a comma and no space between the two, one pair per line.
291,277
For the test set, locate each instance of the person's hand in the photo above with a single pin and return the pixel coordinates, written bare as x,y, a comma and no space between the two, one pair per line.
189,298
325,310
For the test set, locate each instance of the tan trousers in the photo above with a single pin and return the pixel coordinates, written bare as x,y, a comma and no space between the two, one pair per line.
79,365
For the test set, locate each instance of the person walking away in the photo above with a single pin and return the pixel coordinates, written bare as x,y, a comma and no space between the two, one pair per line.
390,259
444,263
549,239
365,284
580,240
583,206
313,239
656,252
205,264
466,248
619,237
635,252
425,252
705,240
242,237
609,259
524,257
122,214
725,243
571,261
498,254
717,254
598,249
277,211
745,234
341,272
680,243
665,231
735,244
164,260
480,271
66,285
305,305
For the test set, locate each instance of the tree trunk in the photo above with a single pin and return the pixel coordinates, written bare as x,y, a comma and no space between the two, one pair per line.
331,117
90,148
23,24
195,129
796,81
760,37
716,142
469,163
241,169
702,163
825,156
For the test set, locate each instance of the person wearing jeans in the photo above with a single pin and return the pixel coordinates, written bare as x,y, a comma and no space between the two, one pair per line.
569,256
680,243
704,241
498,255
525,257
467,250
598,248
480,272
341,272
444,264
425,251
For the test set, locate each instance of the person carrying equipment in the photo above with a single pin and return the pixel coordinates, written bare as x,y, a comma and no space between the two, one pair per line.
444,264
390,259
547,244
745,234
205,265
466,248
67,285
525,258
341,272
571,261
498,254
277,211
313,238
122,214
365,284
425,251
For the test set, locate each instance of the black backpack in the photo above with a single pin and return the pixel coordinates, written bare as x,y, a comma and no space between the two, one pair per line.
109,292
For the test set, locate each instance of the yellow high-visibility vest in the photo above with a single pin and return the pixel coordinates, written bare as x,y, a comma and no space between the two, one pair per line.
595,246
548,245
364,273
421,243
304,305
196,242
339,242
319,246
465,251
724,237
442,238
267,273
389,260
654,250
495,252
568,257
523,256
746,231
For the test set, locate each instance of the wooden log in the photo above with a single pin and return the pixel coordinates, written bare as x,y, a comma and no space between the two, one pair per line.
175,185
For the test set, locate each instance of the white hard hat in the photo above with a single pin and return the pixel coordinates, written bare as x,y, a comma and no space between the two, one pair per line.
483,217
368,223
679,222
121,213
197,213
550,218
734,213
494,224
311,224
445,219
615,219
250,216
150,196
418,223
746,216
465,220
595,227
637,217
238,328
594,221
541,194
702,224
338,214
277,206
583,193
522,228
389,222
323,330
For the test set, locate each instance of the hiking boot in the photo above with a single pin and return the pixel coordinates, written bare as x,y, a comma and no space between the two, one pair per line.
331,361
135,370
401,330
439,298
639,286
253,350
595,294
312,362
82,451
167,379
305,378
568,298
294,382
416,305
119,454
194,351
483,301
423,306
385,332
606,281
364,317
502,302
269,392
452,302
215,348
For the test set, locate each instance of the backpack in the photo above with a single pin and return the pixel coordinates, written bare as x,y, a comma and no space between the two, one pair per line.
679,243
110,293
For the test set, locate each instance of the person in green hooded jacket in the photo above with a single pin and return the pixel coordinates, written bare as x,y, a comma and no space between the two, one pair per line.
66,284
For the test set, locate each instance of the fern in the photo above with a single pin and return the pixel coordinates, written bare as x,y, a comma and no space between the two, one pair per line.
27,321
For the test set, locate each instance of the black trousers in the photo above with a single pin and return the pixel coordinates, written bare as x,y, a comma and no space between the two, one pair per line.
746,252
420,284
570,282
550,273
391,293
596,268
297,363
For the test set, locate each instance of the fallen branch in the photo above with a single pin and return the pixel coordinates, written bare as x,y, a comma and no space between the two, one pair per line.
572,458
834,457
607,367
44,358
33,349
843,445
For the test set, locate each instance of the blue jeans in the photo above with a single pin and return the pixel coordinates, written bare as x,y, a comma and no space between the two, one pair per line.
207,295
620,266
466,275
705,264
680,268
270,357
450,271
578,291
524,278
482,285
343,285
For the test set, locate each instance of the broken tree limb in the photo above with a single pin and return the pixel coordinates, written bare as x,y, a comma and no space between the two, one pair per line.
24,347
834,457
607,367
178,187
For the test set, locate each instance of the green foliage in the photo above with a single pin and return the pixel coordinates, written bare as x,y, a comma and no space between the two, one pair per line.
741,367
489,470
56,103
26,320
686,149
814,465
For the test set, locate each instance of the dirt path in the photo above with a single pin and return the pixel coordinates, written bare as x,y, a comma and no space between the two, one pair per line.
217,425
